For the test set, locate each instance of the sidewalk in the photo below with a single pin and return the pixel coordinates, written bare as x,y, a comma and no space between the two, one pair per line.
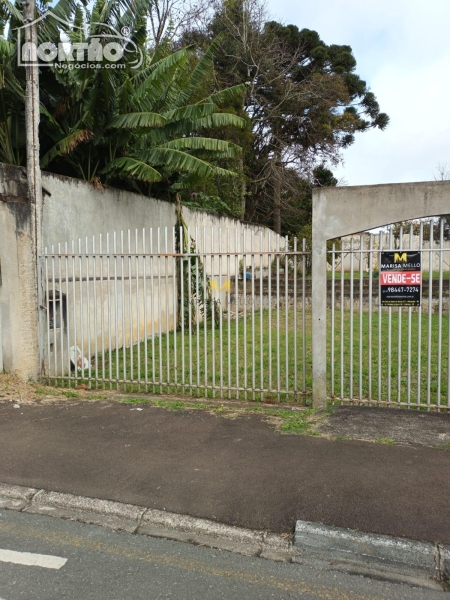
239,471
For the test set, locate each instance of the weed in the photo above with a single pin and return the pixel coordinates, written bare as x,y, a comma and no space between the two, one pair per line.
385,440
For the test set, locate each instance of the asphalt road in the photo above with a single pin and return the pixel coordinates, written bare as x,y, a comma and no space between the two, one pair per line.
236,471
105,565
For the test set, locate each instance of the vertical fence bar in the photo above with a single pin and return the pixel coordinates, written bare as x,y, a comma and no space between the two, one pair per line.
108,292
74,294
342,336
88,312
124,324
208,303
213,333
69,373
244,293
408,385
236,287
229,308
94,291
295,321
380,315
390,335
116,308
197,307
304,316
152,309
167,304
448,341
189,303
102,310
269,292
138,307
160,344
352,252
183,364
175,307
286,312
430,311
278,320
220,316
47,308
333,261
54,305
252,268
81,307
419,325
144,294
370,316
361,305
439,349
62,314
399,340
261,317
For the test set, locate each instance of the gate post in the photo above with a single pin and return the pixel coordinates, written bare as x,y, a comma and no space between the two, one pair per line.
319,308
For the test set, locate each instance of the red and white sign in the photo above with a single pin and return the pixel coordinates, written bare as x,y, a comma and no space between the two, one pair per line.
401,278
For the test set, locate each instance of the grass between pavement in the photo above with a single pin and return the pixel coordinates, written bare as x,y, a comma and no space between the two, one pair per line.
286,419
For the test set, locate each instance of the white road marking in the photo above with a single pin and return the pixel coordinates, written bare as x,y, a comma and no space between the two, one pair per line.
32,560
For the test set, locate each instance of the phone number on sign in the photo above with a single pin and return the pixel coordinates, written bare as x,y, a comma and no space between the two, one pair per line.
403,289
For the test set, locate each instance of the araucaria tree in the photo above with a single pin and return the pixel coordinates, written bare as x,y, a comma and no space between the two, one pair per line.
304,100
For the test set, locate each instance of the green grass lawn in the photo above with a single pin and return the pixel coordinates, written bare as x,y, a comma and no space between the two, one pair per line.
223,355
380,370
248,363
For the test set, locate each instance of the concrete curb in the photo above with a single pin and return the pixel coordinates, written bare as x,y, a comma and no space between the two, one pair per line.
146,521
402,560
378,553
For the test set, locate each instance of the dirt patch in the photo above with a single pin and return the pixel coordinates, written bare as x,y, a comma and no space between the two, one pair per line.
13,388
388,426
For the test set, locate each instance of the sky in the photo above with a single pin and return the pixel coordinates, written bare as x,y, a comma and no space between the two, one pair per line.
402,51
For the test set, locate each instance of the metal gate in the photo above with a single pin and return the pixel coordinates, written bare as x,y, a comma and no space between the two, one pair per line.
205,312
385,356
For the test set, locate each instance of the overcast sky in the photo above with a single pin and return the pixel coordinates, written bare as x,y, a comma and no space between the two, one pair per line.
403,52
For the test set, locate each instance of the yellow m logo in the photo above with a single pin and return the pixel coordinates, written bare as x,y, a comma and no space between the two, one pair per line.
400,257
226,287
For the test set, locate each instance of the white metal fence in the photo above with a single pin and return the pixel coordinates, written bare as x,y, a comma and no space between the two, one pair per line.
204,312
214,313
386,356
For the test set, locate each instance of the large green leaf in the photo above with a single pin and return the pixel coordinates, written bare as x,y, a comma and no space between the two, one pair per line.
176,160
201,71
153,86
200,143
133,168
192,111
136,120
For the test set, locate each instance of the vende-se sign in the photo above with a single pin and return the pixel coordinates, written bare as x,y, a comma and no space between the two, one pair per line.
400,278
